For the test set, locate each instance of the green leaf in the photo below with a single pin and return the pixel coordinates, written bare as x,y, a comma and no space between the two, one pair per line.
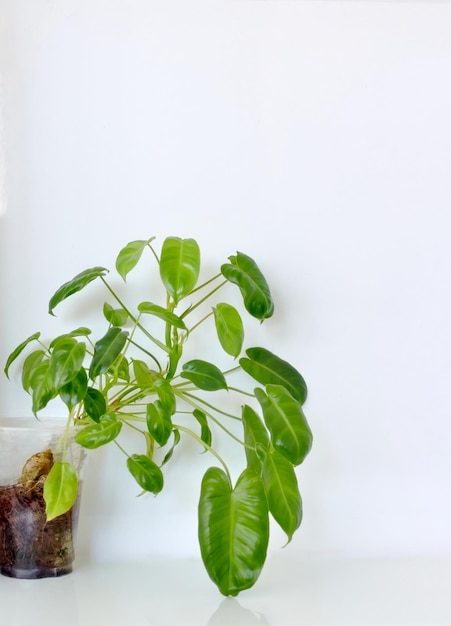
77,283
269,369
120,368
106,351
159,422
129,256
229,328
17,351
281,487
66,360
29,367
116,317
256,437
95,404
205,432
233,529
204,375
162,313
179,266
60,490
96,435
74,391
283,415
42,388
168,456
166,395
146,473
82,331
244,272
144,376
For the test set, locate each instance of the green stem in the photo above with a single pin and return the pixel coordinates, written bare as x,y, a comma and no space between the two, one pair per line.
194,306
195,404
160,344
205,446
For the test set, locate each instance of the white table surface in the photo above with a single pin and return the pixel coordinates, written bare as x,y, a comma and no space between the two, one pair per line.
305,592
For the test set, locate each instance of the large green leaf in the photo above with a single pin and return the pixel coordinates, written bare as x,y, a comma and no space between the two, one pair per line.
166,395
129,256
233,529
204,375
66,360
283,415
159,422
244,272
281,487
256,438
75,390
76,284
179,266
146,473
229,328
17,351
269,369
60,490
106,351
29,367
42,389
96,435
162,313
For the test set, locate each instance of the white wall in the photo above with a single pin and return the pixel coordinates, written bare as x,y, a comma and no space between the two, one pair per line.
313,135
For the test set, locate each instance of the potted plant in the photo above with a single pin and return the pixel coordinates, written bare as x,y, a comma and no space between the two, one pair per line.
137,375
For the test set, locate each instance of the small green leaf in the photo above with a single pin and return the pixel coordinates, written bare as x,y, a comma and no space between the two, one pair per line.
168,456
74,391
106,351
96,435
120,368
60,490
205,432
281,487
77,283
233,529
269,369
158,311
95,404
245,273
116,317
204,375
229,328
159,422
66,360
17,351
179,266
144,376
256,438
129,256
146,473
82,331
283,415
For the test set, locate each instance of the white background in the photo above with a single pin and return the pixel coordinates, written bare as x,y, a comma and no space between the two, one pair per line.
315,136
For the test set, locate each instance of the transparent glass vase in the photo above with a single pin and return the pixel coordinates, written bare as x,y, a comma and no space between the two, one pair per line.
30,546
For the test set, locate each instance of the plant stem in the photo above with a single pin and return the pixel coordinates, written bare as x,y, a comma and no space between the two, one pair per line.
205,446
